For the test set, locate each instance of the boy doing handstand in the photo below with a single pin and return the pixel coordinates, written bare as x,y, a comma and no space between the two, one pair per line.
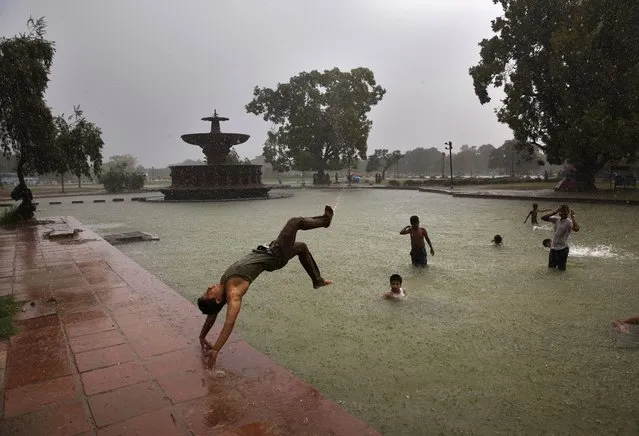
239,276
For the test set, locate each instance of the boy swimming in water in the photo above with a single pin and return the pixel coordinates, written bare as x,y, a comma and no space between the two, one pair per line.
533,214
238,277
497,240
396,291
417,237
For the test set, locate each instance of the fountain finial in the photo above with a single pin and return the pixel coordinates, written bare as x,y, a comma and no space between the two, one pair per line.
215,121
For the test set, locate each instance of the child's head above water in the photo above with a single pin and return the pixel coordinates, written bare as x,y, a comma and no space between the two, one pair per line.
414,221
395,282
497,240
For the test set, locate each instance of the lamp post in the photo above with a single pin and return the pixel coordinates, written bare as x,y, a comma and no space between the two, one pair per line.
443,160
449,147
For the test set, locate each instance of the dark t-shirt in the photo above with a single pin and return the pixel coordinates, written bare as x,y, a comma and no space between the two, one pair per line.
252,265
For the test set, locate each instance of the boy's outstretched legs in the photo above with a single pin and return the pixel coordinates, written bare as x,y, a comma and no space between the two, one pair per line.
286,247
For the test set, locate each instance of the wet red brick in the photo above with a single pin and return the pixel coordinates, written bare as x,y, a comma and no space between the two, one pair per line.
154,423
28,292
50,366
37,323
263,428
31,397
104,357
225,408
125,403
185,386
151,339
95,325
127,318
96,340
243,358
114,298
68,304
68,270
31,346
72,292
63,420
69,282
104,279
113,377
175,362
3,359
75,317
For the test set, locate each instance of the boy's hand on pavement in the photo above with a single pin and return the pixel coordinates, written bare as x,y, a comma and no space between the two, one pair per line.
212,358
206,345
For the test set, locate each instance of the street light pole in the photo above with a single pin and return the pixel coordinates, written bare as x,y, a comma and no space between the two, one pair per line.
449,147
443,160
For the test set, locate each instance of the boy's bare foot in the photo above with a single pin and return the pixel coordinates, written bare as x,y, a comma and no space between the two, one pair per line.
323,283
328,211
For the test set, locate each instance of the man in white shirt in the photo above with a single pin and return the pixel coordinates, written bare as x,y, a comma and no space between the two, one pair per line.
558,255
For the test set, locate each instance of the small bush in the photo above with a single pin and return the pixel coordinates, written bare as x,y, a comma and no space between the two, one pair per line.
393,182
117,180
9,216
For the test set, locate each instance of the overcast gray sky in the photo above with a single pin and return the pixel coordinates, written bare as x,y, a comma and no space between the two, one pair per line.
146,71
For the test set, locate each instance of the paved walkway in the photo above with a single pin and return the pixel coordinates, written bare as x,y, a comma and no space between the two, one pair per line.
602,197
106,348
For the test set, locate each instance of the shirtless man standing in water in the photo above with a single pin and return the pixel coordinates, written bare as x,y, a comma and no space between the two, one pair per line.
239,276
417,237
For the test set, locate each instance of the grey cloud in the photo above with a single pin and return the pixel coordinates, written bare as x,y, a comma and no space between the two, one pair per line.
147,71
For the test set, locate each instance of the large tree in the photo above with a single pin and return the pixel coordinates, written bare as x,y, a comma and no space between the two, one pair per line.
320,118
78,145
569,72
26,124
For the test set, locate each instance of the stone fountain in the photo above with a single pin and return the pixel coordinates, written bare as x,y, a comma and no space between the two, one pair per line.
218,179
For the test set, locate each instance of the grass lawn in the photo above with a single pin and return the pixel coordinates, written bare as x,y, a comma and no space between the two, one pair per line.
8,308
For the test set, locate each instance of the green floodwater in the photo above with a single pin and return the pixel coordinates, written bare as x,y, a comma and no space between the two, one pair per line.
488,341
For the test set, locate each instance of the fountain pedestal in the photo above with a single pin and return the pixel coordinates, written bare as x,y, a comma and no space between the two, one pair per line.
218,179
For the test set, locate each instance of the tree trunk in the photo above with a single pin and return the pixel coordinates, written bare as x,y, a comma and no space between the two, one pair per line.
588,177
20,171
62,180
383,175
80,181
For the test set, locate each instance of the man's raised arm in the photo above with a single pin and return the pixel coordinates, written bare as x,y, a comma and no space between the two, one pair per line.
405,230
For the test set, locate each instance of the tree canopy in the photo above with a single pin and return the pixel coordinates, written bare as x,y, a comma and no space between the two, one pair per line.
569,70
321,118
78,145
26,123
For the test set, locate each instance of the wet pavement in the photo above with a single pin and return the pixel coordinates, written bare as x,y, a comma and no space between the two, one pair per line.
626,197
106,348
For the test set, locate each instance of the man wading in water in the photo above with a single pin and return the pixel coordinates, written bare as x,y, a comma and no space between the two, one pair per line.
238,277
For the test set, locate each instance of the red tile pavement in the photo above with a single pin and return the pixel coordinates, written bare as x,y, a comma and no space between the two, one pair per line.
106,348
